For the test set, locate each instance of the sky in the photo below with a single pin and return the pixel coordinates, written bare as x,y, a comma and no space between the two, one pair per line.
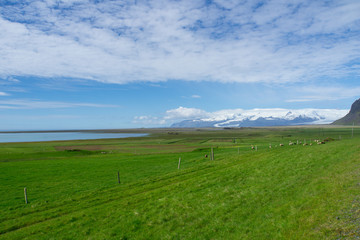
102,64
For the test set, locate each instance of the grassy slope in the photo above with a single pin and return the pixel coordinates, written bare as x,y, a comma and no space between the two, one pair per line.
297,192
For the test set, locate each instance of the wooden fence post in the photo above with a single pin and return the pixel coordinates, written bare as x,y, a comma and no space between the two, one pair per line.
179,162
118,177
25,195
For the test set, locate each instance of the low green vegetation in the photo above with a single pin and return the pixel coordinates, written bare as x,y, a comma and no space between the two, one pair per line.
291,192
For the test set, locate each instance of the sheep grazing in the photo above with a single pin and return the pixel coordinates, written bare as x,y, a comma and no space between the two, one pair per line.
292,143
305,144
270,146
281,145
252,147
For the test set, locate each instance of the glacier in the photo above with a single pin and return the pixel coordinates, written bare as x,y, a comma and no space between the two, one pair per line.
263,117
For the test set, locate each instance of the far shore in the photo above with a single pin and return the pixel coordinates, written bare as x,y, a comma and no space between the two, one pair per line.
154,130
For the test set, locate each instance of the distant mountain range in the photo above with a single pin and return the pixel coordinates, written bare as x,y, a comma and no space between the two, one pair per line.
263,117
353,117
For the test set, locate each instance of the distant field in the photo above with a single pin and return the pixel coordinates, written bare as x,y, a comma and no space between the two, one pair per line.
289,192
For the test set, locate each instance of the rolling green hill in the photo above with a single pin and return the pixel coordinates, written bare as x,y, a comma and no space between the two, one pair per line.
284,192
353,117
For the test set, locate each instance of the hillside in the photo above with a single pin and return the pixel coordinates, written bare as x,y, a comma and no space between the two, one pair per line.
353,117
288,192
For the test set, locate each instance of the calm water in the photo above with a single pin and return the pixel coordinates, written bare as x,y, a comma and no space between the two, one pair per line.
54,136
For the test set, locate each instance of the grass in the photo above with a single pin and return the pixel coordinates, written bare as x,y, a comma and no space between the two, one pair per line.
290,192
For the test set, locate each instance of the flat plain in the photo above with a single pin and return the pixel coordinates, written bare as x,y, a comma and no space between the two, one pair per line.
253,189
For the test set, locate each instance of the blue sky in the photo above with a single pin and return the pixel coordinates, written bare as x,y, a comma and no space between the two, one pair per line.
76,64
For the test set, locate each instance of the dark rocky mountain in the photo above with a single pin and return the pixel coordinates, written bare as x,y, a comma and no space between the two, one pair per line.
353,117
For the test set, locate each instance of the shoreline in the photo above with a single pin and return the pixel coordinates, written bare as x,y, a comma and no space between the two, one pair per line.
152,130
25,137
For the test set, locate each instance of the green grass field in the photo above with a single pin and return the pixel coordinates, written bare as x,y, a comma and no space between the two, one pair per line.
289,192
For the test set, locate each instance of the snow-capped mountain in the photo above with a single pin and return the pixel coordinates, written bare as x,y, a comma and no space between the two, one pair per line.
263,117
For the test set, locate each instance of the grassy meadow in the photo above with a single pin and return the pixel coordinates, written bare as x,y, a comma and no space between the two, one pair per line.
288,192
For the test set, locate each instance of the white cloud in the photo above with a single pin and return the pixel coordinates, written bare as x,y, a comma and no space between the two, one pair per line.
120,42
149,120
171,115
35,104
184,113
195,96
4,94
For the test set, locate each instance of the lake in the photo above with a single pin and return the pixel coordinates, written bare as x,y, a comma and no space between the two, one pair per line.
60,136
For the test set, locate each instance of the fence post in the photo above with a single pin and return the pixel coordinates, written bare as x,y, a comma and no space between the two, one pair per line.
118,177
179,162
25,195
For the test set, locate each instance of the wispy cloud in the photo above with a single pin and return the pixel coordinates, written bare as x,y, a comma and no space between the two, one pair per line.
225,41
35,104
9,80
149,120
195,96
51,117
321,93
4,94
